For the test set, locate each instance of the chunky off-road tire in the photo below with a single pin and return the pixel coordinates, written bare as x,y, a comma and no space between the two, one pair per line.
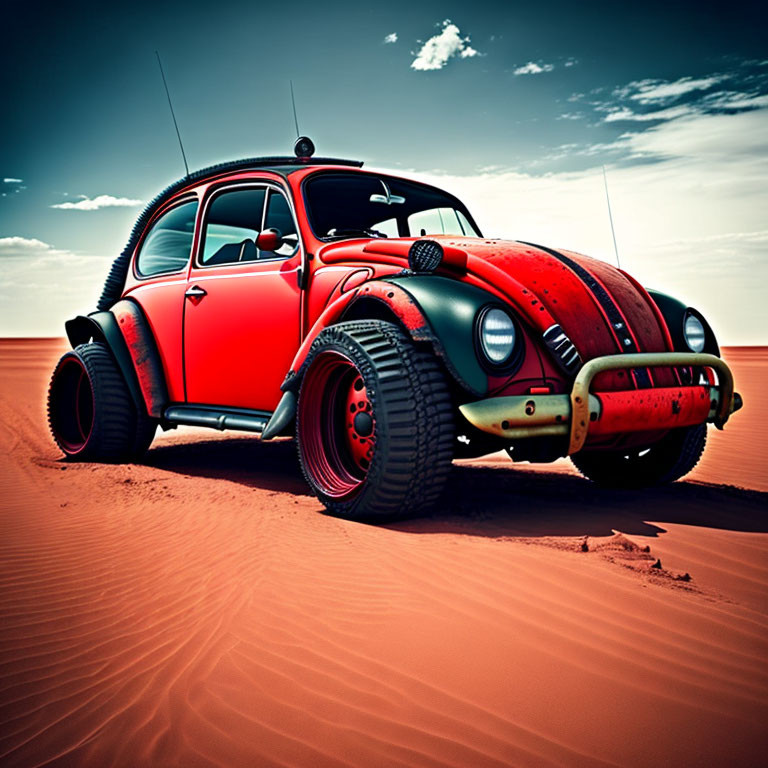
374,424
90,411
673,456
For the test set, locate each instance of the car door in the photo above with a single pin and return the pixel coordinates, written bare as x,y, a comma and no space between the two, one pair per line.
242,304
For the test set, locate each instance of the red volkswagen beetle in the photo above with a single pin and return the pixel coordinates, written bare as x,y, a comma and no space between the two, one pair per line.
368,316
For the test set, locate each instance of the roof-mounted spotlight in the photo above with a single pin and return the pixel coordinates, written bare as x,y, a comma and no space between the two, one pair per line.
425,256
304,148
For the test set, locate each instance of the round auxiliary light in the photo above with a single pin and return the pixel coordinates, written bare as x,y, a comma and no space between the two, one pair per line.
425,256
304,147
693,331
497,336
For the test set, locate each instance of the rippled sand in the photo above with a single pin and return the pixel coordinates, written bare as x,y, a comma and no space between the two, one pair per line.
201,610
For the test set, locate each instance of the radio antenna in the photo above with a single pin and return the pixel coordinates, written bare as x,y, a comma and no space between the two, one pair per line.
295,119
610,218
173,115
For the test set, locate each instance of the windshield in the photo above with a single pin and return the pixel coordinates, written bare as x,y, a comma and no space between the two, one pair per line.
343,205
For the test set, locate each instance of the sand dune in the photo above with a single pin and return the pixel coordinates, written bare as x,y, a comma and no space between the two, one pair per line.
200,610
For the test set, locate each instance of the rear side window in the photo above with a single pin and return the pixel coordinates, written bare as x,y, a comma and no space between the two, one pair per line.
168,243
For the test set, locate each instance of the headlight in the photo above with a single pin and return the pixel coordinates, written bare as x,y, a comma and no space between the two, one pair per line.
693,331
497,336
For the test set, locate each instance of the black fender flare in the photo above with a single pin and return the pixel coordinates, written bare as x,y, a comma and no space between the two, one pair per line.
127,334
674,311
102,326
450,309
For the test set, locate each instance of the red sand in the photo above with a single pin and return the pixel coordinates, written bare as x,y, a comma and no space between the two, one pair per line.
201,610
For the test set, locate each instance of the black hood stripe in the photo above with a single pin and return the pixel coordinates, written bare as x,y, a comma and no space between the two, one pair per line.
618,326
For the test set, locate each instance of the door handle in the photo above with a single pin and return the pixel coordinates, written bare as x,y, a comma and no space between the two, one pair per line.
195,292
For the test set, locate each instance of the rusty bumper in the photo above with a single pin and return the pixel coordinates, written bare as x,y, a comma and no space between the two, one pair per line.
583,412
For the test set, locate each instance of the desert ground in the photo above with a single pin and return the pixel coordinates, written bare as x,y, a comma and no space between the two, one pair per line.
201,610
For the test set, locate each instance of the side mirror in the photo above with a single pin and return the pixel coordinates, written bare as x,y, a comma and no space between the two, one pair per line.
269,240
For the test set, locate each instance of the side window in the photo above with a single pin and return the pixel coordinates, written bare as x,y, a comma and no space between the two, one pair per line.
279,217
168,243
465,225
387,227
435,221
232,225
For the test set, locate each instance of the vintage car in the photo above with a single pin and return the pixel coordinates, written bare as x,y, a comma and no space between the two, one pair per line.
368,316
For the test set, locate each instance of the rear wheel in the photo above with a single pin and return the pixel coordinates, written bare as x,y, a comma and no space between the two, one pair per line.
90,411
374,424
675,455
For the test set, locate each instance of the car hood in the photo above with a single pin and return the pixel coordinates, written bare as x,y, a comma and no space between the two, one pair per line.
601,309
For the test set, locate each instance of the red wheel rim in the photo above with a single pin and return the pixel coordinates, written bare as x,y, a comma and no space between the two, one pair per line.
337,429
71,405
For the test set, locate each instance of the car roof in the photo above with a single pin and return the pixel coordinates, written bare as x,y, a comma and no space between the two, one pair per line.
281,165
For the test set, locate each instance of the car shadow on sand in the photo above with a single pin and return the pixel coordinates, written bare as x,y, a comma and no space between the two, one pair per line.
518,501
494,501
271,466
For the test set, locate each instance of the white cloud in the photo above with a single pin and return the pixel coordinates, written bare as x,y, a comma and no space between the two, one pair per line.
654,91
645,101
101,201
720,139
671,113
735,100
27,247
41,286
749,247
9,180
390,38
434,54
532,68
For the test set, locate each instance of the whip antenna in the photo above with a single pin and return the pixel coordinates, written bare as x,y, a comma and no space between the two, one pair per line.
303,147
610,218
295,119
173,115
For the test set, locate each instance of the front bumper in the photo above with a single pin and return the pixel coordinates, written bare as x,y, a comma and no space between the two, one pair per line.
583,413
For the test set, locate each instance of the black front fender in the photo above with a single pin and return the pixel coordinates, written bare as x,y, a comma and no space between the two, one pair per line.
674,311
450,309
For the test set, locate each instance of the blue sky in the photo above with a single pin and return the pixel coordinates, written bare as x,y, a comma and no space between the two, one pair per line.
513,106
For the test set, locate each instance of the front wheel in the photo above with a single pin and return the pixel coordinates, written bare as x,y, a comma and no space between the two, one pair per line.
90,411
374,425
675,455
